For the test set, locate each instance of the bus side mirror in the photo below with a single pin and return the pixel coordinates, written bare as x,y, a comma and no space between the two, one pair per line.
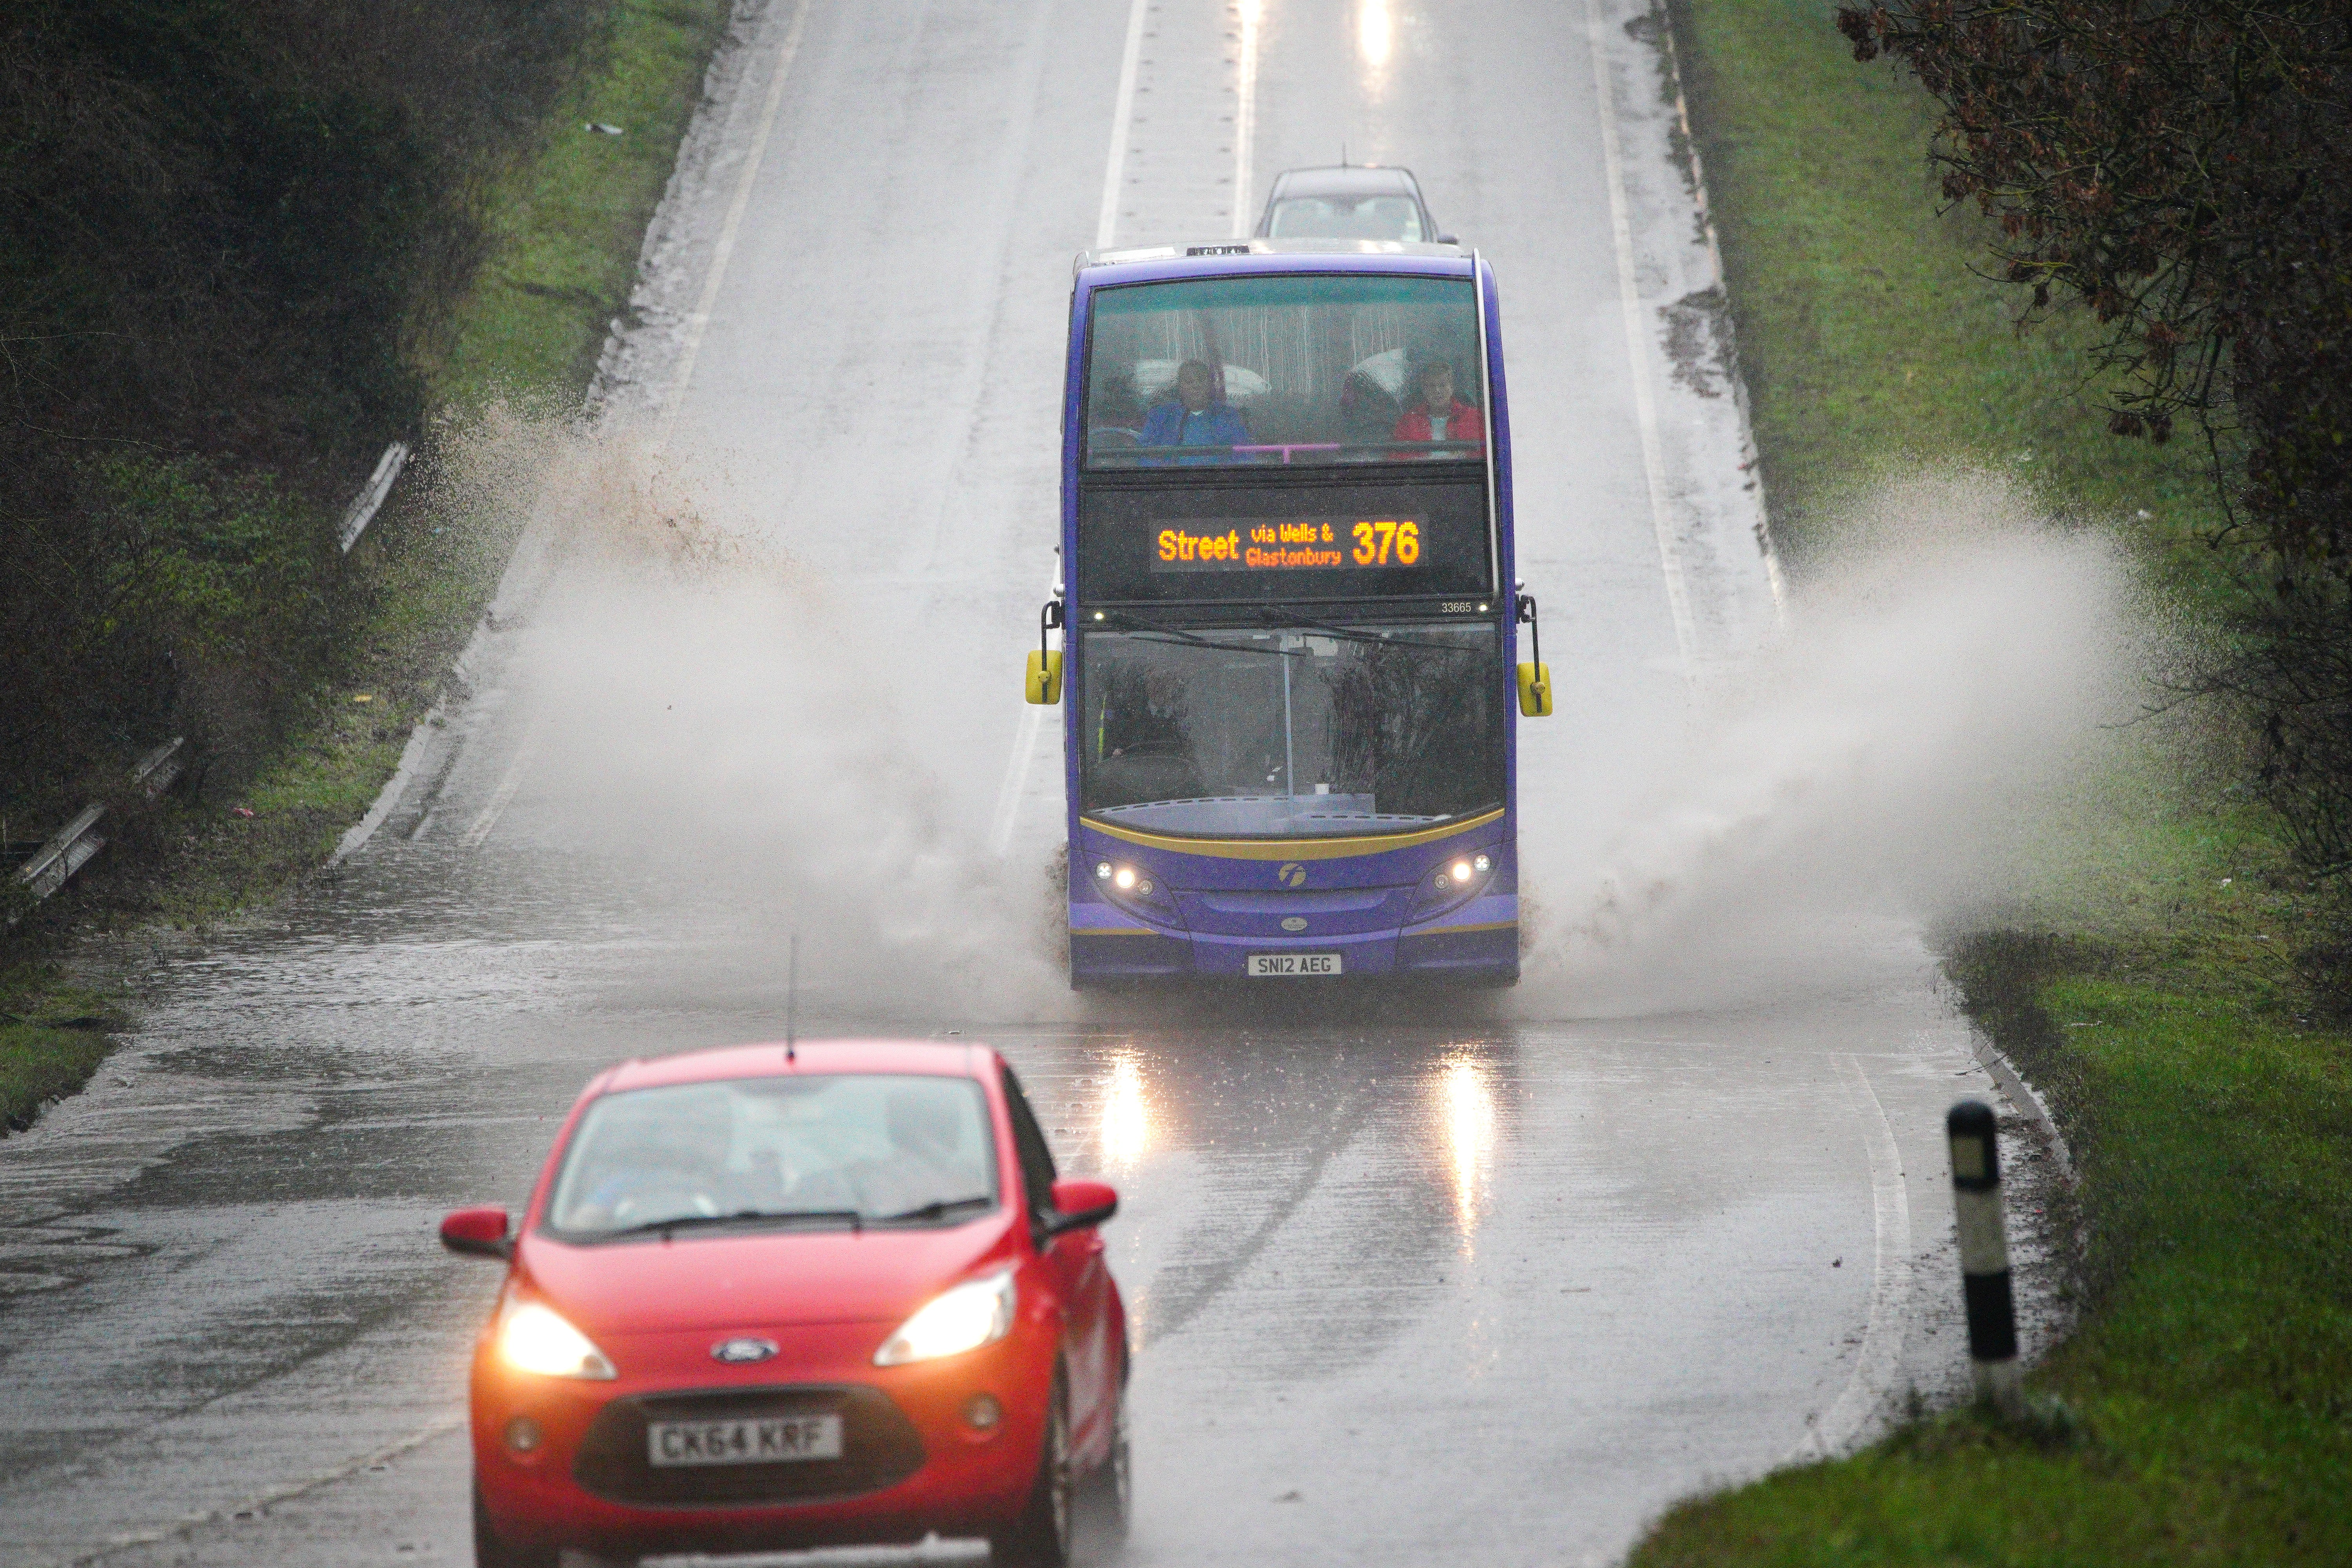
1535,690
1045,684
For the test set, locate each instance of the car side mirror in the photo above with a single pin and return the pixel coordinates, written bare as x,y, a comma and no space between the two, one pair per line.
1043,686
1080,1205
1535,690
477,1233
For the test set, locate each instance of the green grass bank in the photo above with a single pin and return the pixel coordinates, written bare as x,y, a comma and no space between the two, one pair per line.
2205,1400
568,220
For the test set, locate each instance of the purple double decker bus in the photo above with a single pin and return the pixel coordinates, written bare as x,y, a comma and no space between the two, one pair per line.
1288,614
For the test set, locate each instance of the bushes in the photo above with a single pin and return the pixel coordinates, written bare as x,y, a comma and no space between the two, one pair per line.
228,228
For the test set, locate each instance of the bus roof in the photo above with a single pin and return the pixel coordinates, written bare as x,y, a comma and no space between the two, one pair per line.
1242,257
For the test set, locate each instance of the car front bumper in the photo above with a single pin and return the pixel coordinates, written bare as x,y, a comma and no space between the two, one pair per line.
912,1462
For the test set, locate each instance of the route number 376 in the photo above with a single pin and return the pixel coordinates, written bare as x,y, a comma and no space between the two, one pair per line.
1386,541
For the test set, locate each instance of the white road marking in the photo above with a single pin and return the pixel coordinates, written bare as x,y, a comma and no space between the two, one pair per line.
411,756
1122,119
1637,341
1246,122
698,323
263,1502
1015,787
505,794
1880,1363
1017,766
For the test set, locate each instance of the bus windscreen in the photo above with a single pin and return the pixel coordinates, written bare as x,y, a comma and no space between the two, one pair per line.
1287,368
1320,730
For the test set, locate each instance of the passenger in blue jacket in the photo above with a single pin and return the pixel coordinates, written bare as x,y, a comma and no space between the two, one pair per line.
1194,418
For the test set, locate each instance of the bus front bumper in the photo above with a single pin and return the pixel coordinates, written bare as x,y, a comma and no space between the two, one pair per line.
1477,941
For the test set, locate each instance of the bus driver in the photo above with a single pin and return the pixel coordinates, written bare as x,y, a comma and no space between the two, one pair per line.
1196,416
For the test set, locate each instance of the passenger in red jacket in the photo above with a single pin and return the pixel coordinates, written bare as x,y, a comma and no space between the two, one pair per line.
1440,415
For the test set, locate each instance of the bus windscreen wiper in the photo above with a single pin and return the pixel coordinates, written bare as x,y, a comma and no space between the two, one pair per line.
855,1219
938,1208
1285,621
1172,635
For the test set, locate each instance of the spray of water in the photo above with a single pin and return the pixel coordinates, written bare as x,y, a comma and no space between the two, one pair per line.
724,722
1881,773
723,726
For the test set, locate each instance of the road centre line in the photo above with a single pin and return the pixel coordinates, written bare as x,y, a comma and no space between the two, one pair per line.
1122,121
698,322
1881,1358
1009,794
1636,342
1245,121
1024,758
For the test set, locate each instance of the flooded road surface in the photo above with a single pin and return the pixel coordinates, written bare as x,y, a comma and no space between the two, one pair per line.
1413,1277
1402,1285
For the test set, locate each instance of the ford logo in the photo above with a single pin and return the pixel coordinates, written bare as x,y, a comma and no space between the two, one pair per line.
742,1352
1294,923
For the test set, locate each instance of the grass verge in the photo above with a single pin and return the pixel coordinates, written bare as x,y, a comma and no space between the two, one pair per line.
569,222
2199,1413
53,1035
2207,1398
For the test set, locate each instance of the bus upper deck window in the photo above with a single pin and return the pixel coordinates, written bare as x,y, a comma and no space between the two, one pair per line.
1281,369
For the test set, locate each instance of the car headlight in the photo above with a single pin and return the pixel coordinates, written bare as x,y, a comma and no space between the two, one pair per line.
536,1339
974,1313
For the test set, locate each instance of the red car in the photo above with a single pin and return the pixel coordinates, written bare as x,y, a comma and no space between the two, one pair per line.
767,1298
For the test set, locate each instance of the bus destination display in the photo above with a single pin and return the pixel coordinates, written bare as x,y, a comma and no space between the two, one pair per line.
1390,538
1286,544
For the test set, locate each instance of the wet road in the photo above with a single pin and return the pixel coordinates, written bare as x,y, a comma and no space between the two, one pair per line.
1411,1279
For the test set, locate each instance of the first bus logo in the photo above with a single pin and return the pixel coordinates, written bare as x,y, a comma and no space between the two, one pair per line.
1292,875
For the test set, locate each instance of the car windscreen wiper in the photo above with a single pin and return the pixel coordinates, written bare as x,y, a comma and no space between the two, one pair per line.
853,1218
938,1208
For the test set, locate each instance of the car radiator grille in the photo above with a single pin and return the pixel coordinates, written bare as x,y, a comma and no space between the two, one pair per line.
879,1448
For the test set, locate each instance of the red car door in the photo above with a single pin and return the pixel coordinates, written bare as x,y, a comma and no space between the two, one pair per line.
1074,1266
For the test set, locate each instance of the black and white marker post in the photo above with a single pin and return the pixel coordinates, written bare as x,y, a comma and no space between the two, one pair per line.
1984,1257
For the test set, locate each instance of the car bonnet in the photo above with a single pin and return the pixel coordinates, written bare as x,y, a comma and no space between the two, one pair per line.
779,1279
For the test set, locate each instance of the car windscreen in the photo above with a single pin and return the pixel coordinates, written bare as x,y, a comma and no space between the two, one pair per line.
1312,730
815,1149
1285,368
1346,218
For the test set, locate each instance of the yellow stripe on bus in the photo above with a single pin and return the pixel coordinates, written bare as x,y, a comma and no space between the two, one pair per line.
1290,848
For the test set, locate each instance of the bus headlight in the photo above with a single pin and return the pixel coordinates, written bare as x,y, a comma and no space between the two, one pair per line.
1453,882
1135,888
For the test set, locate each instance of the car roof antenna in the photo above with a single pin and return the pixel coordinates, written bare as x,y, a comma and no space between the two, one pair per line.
792,996
1343,155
